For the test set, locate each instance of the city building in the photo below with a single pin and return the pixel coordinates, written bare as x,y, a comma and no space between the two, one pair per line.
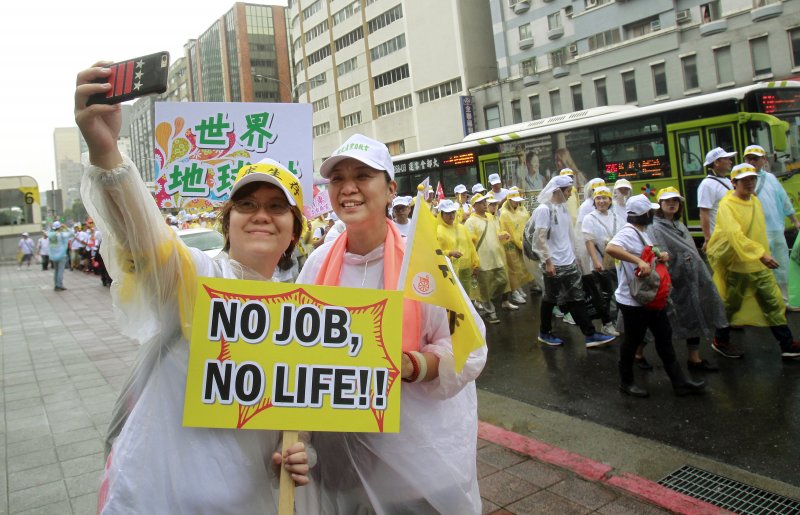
68,145
558,56
399,71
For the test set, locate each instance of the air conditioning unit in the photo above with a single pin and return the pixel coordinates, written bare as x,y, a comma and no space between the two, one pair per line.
568,11
573,49
655,25
683,16
591,3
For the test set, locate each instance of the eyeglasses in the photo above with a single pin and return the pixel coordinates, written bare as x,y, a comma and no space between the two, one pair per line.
272,207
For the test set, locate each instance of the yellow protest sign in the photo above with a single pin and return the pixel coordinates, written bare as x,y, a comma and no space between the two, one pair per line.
283,356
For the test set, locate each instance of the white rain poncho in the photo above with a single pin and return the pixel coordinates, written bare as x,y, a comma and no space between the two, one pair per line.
156,465
587,206
777,207
429,466
541,235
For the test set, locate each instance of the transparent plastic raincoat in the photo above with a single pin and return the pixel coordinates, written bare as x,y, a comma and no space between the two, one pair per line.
429,466
545,199
696,308
455,237
512,221
155,464
777,207
734,252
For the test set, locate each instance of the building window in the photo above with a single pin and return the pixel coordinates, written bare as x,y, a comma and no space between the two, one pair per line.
557,58
319,55
577,97
317,30
492,115
347,66
349,38
639,28
536,107
600,93
323,128
382,20
384,49
604,39
660,80
759,53
724,65
629,87
528,66
348,11
555,102
351,92
351,119
794,39
554,20
690,80
390,77
392,106
311,9
319,105
525,31
709,11
445,89
516,112
396,147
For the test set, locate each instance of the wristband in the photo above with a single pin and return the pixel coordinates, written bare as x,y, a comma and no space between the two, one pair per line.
415,364
422,366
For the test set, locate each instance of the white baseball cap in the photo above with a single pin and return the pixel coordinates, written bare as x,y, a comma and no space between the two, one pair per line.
494,179
460,188
754,150
562,181
448,206
401,201
478,197
478,188
56,225
367,150
639,205
743,170
622,183
491,199
715,154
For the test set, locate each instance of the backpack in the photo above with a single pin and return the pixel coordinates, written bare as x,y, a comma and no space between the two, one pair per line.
652,291
527,238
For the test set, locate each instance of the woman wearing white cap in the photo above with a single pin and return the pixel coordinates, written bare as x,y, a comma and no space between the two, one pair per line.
627,246
512,221
462,199
455,242
430,465
697,311
156,465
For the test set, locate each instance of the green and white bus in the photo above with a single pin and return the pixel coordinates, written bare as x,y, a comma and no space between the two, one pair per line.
653,147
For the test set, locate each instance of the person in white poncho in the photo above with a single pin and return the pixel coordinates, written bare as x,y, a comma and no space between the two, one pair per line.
429,466
156,465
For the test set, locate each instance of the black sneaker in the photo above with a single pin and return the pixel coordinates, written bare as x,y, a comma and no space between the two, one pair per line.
727,349
791,352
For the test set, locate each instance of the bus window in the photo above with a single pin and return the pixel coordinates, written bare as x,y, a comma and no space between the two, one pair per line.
466,175
722,137
633,150
691,153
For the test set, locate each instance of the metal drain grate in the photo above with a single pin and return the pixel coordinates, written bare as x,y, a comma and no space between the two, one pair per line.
728,493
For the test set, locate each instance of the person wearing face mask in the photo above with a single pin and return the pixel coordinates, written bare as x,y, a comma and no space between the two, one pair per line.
627,246
553,241
738,253
696,309
154,463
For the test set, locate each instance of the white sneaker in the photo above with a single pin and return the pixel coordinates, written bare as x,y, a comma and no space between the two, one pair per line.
516,298
610,330
508,305
557,312
568,319
522,293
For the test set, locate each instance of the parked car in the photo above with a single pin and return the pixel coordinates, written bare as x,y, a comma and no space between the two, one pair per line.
208,240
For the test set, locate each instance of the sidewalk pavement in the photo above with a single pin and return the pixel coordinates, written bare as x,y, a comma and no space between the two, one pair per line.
62,363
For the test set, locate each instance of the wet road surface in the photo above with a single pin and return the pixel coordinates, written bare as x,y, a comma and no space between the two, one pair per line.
749,418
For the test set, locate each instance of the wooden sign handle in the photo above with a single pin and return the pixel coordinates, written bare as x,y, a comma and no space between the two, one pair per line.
286,494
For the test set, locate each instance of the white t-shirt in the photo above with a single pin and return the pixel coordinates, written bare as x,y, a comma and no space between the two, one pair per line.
560,241
500,195
710,192
402,228
628,239
600,228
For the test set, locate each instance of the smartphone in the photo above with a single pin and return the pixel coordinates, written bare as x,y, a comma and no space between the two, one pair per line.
134,78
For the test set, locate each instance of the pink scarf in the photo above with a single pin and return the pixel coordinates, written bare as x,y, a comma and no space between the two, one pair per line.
393,249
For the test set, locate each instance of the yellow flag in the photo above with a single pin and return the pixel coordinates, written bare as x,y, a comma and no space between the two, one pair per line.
427,276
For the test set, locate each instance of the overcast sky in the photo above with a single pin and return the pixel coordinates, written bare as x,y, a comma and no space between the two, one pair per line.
45,45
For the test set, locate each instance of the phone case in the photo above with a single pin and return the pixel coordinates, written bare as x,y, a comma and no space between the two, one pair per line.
135,78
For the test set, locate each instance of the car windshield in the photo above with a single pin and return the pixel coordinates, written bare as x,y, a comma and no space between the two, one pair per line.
207,240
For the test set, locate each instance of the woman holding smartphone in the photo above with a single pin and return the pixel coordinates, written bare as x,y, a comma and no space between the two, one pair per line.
429,467
155,465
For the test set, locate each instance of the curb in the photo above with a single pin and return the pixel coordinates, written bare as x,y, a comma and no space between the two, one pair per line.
634,485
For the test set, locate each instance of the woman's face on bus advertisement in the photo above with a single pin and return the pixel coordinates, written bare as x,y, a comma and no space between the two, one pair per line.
359,194
602,203
670,206
533,164
262,234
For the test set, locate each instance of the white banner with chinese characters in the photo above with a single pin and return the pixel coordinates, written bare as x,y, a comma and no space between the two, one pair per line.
200,146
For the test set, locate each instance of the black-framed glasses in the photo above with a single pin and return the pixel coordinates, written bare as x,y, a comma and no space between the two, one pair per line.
272,207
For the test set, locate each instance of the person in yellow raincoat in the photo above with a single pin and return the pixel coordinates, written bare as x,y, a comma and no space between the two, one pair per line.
492,277
457,245
738,252
512,220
